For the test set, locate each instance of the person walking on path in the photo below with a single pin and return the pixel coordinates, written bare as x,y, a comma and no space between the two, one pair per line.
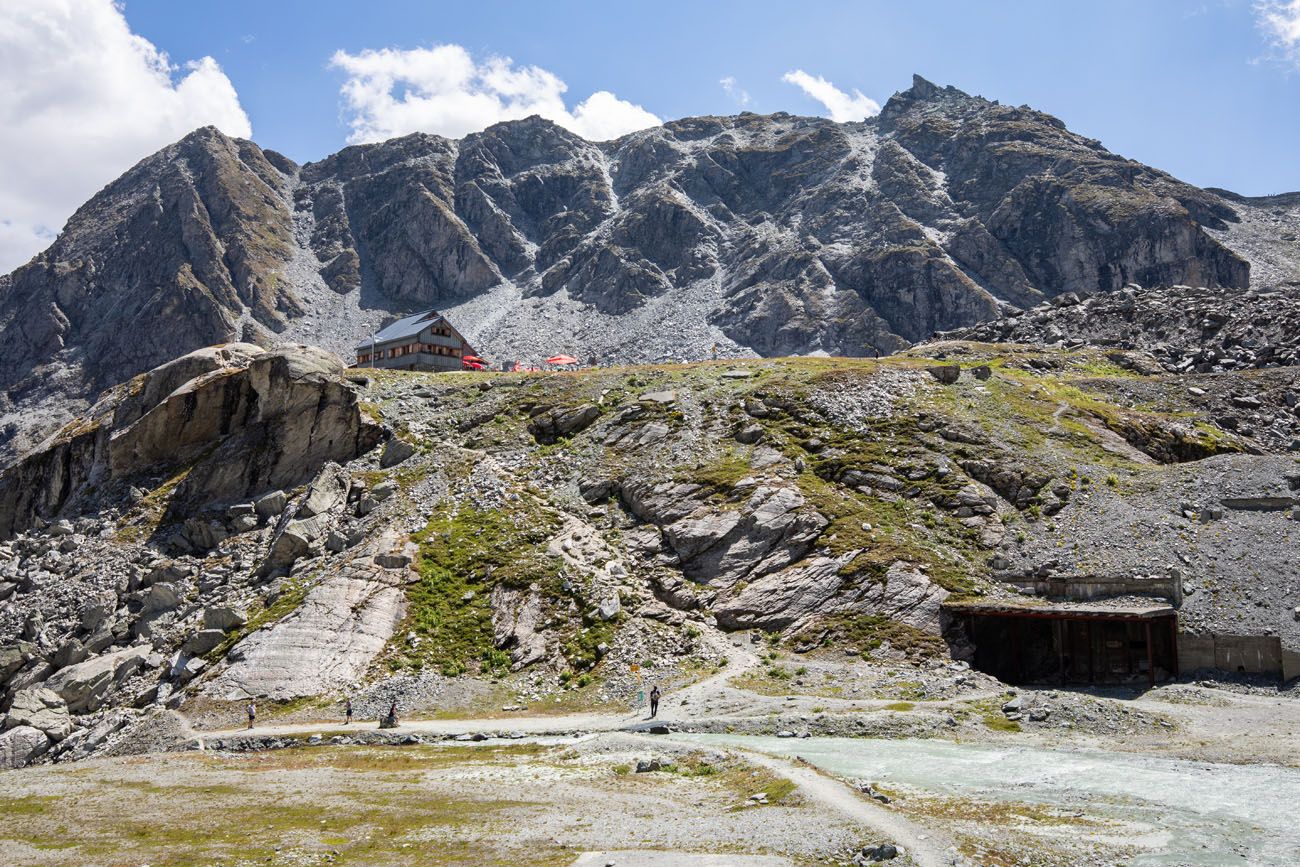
347,710
392,713
654,701
252,714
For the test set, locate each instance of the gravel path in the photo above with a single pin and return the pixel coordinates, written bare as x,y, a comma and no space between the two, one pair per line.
925,846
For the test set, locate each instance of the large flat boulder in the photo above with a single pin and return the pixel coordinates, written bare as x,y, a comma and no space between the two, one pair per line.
20,746
85,685
41,709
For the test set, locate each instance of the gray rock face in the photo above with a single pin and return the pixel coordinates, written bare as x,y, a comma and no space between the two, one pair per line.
517,624
41,709
230,422
327,643
773,528
816,587
85,685
19,746
774,234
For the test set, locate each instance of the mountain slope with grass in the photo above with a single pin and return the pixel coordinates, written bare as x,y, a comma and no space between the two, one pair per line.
456,540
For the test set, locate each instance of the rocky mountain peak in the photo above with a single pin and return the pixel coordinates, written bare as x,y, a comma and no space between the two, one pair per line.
758,234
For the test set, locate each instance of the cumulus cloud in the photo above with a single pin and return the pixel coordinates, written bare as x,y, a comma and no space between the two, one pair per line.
391,92
733,89
840,106
82,99
1280,21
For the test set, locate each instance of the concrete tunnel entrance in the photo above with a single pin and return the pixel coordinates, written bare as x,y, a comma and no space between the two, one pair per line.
1071,643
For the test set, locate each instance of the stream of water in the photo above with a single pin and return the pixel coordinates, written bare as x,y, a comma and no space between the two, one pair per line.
1198,813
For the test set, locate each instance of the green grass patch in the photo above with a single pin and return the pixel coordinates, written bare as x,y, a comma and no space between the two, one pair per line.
466,552
868,632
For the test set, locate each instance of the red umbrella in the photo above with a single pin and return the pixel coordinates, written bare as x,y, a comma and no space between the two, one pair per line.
472,365
472,358
561,359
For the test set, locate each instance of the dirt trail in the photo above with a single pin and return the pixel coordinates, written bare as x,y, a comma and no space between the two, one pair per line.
926,847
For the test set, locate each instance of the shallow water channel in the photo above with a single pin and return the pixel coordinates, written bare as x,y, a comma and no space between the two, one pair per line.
1178,812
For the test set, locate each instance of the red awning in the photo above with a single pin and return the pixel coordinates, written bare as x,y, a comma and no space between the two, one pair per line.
561,359
472,358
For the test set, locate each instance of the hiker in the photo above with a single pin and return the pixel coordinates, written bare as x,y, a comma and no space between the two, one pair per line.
252,714
347,710
392,712
654,701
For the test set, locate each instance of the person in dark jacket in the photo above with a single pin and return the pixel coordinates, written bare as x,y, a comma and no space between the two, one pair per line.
654,700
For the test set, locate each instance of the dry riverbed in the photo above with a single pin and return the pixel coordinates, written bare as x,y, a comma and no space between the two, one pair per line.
519,803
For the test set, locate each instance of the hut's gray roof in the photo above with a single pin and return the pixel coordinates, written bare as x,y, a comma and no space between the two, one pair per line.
406,327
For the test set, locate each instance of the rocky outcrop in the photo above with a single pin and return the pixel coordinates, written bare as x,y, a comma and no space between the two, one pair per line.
771,529
22,745
84,686
769,234
818,587
329,640
236,420
517,618
42,709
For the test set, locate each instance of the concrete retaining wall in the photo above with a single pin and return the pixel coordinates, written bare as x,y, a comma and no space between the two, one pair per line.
1085,587
1254,654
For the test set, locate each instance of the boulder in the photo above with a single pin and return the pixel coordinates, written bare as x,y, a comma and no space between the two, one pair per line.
553,424
224,617
163,596
327,491
20,746
204,642
247,420
203,534
272,504
41,709
945,373
14,657
295,540
609,609
84,685
395,452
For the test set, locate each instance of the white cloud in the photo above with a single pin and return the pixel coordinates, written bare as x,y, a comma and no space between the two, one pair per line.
840,106
1280,21
82,99
391,92
733,89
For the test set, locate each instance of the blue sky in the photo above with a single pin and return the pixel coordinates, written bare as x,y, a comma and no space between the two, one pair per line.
1208,90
